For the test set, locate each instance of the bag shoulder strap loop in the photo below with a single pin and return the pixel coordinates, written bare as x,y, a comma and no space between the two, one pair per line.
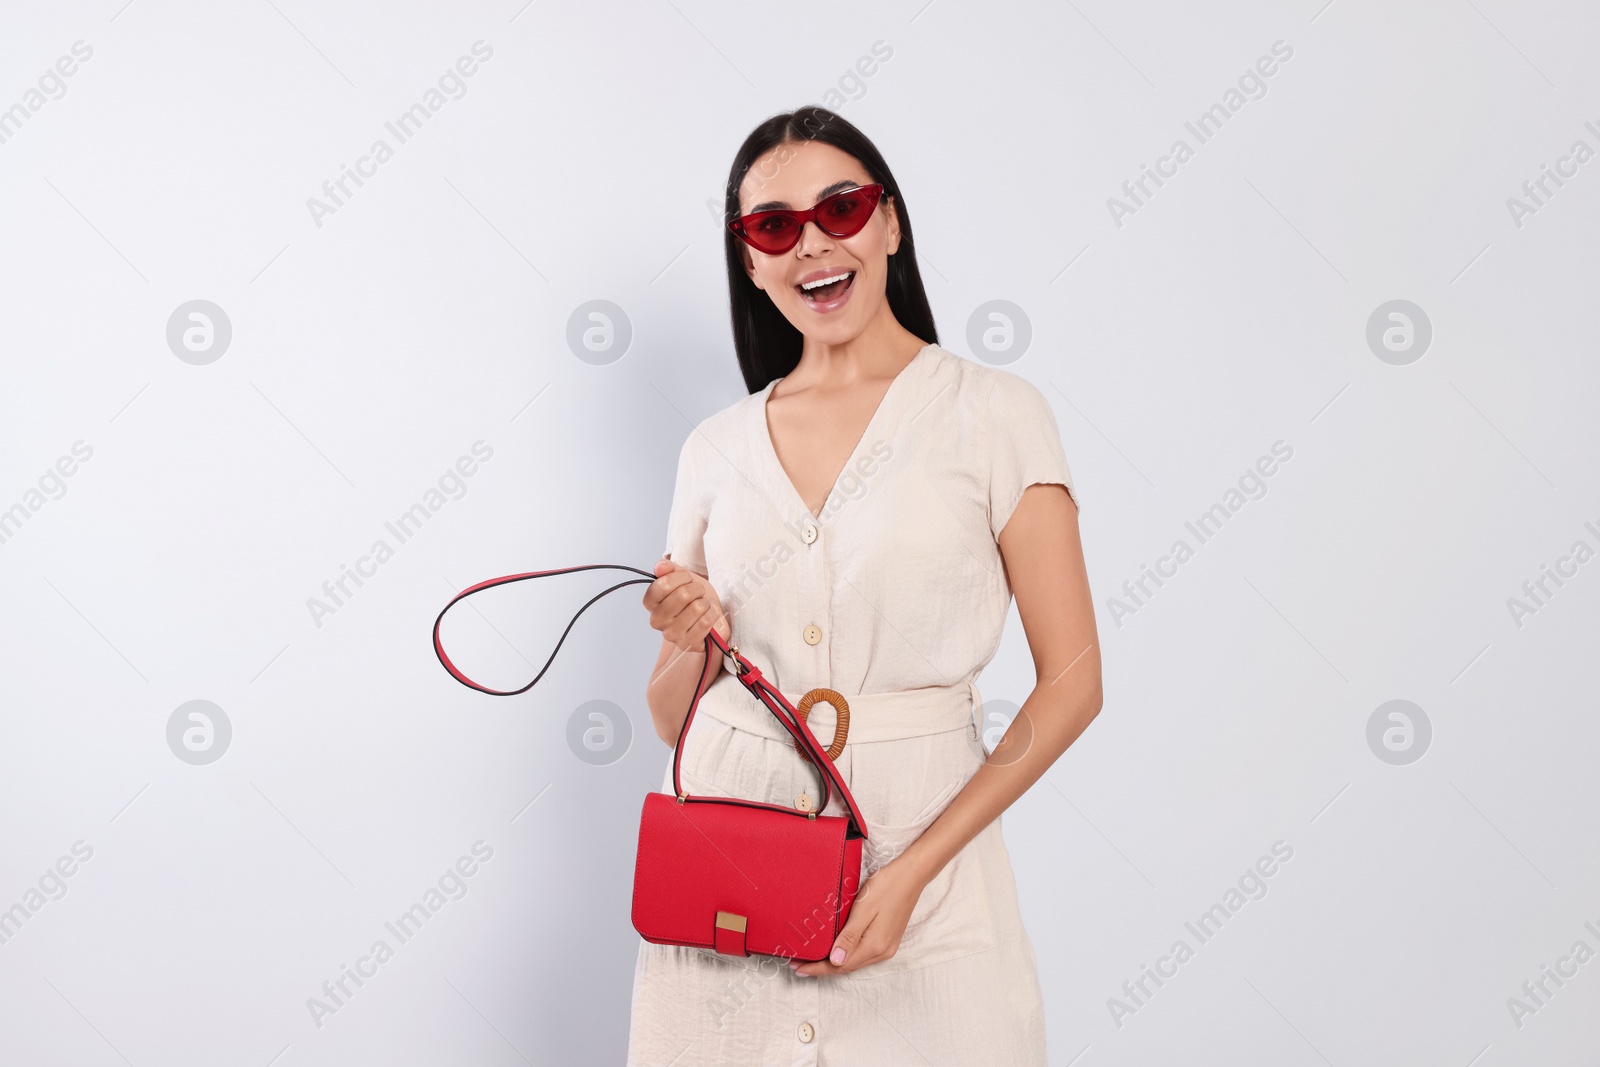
747,673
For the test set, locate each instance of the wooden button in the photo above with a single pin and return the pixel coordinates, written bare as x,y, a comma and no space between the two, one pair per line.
812,634
803,802
808,533
807,1032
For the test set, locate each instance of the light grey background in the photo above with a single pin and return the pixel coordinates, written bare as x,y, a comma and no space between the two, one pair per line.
431,310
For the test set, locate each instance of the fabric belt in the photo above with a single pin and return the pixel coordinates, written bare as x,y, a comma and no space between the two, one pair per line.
873,716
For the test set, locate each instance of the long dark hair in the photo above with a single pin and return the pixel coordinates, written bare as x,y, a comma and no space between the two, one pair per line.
767,344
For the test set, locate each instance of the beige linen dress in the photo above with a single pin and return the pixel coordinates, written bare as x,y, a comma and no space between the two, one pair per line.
895,597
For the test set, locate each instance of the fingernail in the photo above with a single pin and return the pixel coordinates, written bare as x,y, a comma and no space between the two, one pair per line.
836,957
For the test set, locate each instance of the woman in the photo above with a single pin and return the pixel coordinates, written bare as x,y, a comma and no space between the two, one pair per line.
860,522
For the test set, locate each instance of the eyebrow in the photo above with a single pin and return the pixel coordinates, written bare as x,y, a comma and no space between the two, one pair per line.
778,205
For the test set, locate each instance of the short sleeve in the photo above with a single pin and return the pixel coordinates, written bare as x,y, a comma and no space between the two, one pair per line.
686,523
1024,446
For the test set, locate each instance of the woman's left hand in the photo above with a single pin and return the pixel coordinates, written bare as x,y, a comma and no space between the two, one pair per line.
877,921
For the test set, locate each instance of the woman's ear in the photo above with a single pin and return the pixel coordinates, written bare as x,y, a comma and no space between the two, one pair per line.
749,267
894,224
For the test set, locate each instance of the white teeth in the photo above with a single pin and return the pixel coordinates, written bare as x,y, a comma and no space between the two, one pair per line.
808,286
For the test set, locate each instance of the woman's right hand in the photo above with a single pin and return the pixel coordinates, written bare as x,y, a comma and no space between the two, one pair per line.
684,607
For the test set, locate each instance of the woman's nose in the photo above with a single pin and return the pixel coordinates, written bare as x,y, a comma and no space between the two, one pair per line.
814,238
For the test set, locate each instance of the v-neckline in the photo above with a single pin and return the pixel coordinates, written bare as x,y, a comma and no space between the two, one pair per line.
770,449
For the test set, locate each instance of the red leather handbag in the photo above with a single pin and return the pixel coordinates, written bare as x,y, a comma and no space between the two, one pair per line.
740,877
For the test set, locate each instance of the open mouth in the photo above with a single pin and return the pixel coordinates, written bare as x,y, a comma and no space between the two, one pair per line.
826,290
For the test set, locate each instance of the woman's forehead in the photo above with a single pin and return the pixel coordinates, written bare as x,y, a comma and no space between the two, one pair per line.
797,176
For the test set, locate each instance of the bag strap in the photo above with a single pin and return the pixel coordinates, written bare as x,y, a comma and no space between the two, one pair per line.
747,673
750,676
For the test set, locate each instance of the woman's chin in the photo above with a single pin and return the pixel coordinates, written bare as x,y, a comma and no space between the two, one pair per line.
831,330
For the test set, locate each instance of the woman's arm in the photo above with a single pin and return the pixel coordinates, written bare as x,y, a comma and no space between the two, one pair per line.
683,606
1044,559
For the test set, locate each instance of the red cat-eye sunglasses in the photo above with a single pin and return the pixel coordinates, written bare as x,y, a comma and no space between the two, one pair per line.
841,215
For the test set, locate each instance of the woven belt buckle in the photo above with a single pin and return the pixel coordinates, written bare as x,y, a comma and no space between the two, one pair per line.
841,729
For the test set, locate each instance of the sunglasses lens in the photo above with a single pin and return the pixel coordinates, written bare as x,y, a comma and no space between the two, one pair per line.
843,214
772,233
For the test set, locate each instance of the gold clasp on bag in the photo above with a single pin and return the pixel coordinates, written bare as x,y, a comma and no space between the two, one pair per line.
729,936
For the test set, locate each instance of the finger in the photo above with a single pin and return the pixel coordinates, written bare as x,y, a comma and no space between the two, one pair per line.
715,616
696,634
681,631
670,594
663,566
863,956
666,582
718,619
846,946
815,970
704,613
849,939
679,591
